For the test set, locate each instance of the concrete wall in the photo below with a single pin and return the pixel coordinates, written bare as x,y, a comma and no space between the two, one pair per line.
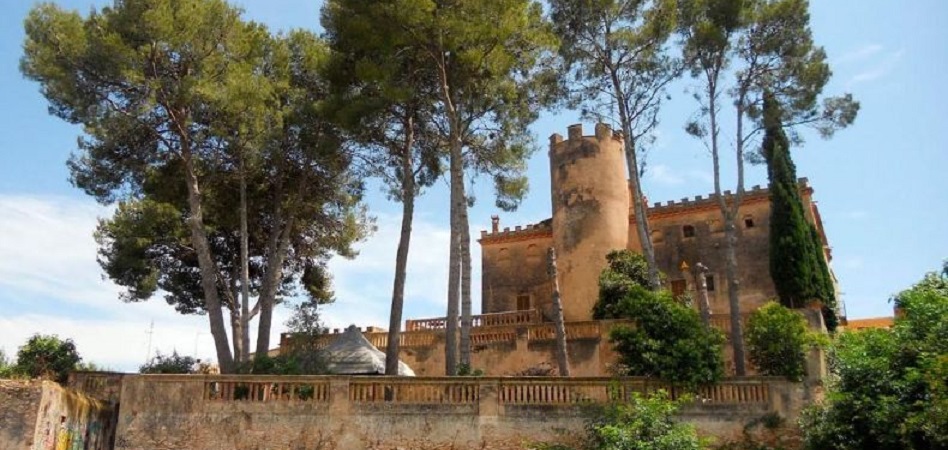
220,412
41,415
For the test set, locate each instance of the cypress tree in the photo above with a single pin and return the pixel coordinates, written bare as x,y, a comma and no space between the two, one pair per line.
797,265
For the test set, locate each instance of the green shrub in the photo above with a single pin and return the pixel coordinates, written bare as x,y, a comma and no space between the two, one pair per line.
891,387
47,356
668,340
173,363
777,341
643,423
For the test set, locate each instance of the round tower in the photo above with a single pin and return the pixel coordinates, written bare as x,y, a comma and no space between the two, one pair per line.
590,196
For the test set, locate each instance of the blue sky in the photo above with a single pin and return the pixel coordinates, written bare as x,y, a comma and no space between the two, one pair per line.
881,185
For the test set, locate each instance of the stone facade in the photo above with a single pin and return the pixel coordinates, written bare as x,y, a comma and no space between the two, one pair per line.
591,216
384,413
41,415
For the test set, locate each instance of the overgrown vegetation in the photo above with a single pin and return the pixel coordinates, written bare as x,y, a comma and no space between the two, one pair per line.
6,366
778,340
642,423
173,363
47,356
668,340
891,390
303,357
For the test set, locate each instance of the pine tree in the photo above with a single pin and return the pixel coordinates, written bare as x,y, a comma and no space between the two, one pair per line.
797,264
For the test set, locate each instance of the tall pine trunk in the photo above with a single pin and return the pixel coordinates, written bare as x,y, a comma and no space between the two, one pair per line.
401,256
244,355
454,269
638,205
206,262
562,357
465,284
730,229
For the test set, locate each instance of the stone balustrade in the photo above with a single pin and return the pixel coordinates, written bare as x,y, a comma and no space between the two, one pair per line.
480,320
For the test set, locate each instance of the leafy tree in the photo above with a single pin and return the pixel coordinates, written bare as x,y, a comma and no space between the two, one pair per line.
795,248
160,87
173,363
386,96
644,423
134,75
778,340
615,55
486,59
6,366
626,270
47,356
667,341
891,389
741,49
303,357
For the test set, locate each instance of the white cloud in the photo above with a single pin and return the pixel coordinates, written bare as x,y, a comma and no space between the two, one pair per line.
364,285
50,283
860,54
662,174
879,69
700,175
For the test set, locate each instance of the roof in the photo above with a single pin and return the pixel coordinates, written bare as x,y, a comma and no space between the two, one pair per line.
352,354
874,322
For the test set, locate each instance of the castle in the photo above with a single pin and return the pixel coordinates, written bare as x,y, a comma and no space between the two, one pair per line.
592,216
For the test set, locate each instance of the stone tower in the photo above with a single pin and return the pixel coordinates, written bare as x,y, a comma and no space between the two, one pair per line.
590,212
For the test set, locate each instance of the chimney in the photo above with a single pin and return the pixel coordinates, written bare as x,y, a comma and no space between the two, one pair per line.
494,223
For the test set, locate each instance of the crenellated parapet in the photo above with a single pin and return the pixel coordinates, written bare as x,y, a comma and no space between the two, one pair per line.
538,230
755,194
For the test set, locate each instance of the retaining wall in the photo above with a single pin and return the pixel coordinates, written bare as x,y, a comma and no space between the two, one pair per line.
248,412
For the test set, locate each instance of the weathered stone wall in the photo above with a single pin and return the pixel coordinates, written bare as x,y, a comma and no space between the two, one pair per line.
590,212
41,415
19,402
673,246
514,266
511,349
216,412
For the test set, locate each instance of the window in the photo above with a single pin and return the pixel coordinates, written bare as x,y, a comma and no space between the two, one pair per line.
749,222
678,287
523,302
709,282
688,231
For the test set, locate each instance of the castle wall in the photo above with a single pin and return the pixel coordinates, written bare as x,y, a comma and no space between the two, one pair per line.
41,415
590,203
672,247
516,268
375,413
516,348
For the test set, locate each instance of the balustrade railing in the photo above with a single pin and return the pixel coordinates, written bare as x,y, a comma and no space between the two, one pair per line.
422,391
481,320
316,391
465,390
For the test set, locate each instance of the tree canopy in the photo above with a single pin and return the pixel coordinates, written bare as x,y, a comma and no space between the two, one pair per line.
180,102
47,356
891,390
667,340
